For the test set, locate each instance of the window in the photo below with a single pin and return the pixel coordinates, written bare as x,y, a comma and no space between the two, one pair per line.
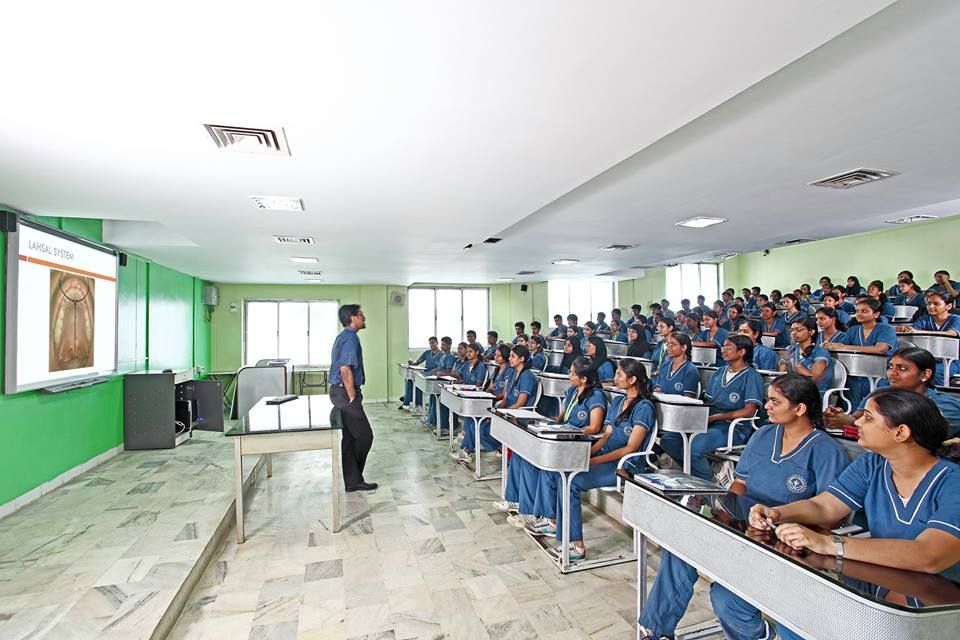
301,330
446,312
691,280
582,297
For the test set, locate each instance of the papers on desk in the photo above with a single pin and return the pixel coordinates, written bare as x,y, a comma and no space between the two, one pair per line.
521,413
466,393
673,398
670,482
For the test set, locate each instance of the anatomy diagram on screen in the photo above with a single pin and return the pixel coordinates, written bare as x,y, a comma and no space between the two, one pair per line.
71,321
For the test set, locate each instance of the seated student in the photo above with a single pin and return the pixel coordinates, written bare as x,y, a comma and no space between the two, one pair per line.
521,339
870,336
572,324
893,293
764,358
909,368
665,309
776,297
676,374
520,328
805,291
831,301
721,310
559,329
727,297
636,315
832,329
939,319
907,484
805,357
747,296
735,391
589,330
639,346
690,325
656,311
712,334
493,342
843,303
469,369
597,352
701,305
601,324
793,445
734,318
571,351
685,305
471,336
617,332
875,291
792,310
459,360
826,286
854,290
538,359
496,384
628,428
773,325
429,359
943,284
615,314
664,328
583,407
535,328
910,293
445,365
739,301
762,300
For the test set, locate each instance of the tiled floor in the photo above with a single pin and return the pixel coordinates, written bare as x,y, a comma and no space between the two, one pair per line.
425,556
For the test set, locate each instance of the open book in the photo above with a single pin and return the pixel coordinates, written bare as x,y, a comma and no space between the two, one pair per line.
670,482
521,413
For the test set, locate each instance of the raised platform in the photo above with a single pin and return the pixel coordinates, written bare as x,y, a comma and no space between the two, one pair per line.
116,552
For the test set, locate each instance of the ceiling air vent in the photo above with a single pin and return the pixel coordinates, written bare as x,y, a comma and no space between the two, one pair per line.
788,243
248,139
306,272
853,178
616,247
911,219
725,256
526,273
293,239
492,240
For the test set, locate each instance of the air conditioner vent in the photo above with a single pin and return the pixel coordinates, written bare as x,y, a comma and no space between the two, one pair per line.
307,272
492,240
787,243
248,139
616,247
853,178
526,273
293,239
911,219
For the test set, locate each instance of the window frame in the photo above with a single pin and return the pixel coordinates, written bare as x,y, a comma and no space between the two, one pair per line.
433,331
592,312
277,302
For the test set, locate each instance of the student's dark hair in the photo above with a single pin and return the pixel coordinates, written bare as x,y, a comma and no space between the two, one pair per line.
590,325
827,278
601,356
504,351
811,325
536,323
928,427
655,306
743,343
616,311
461,344
737,307
764,296
685,301
832,313
920,358
616,323
874,305
711,314
755,290
601,314
640,347
493,334
446,340
830,294
583,367
799,389
572,316
670,322
940,294
636,307
558,316
346,312
909,282
936,273
525,337
521,351
433,339
879,285
575,352
643,385
755,329
476,348
701,297
519,323
796,300
909,273
539,340
853,289
469,331
770,306
684,341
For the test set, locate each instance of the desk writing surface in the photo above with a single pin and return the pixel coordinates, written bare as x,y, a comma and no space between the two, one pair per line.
306,413
905,590
524,423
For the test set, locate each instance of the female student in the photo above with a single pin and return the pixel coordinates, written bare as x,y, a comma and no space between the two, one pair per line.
691,324
720,309
805,357
910,291
471,371
832,329
664,329
938,320
584,407
774,326
589,330
854,290
792,445
913,369
617,332
734,318
735,391
677,375
908,485
870,336
628,428
496,384
571,351
639,347
826,286
832,301
875,291
764,357
712,334
538,359
793,312
597,352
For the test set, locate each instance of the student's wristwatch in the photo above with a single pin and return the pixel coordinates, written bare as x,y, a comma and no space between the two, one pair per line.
838,542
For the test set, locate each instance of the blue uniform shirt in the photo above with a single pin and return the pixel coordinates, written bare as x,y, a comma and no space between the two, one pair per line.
430,359
603,326
777,324
685,380
717,339
576,413
881,333
347,352
774,478
606,371
642,415
659,355
746,387
499,383
840,337
538,361
476,376
817,353
527,383
948,403
490,351
935,504
790,319
620,336
764,357
446,361
927,323
942,289
559,332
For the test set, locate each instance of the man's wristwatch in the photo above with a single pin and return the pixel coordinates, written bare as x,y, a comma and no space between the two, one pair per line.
838,556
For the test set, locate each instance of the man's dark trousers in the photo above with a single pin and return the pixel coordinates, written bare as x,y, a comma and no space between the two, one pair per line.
357,436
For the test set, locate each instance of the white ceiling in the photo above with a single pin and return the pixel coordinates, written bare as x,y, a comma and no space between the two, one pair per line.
418,127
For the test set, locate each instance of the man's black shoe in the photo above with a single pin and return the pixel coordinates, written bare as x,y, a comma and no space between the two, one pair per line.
362,486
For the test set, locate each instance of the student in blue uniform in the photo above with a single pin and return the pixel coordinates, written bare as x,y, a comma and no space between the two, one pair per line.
493,341
519,329
854,289
617,332
664,328
832,328
911,294
843,301
773,326
735,391
495,385
870,336
913,369
601,323
690,324
805,357
535,328
939,319
832,302
720,309
764,357
628,427
943,284
596,350
677,375
639,346
875,291
559,329
470,370
445,366
712,334
636,315
734,318
893,293
788,459
907,484
589,330
538,358
429,359
792,310
572,323
826,286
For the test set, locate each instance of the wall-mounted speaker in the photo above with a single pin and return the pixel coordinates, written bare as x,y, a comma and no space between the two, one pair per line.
8,221
211,296
123,259
396,297
523,288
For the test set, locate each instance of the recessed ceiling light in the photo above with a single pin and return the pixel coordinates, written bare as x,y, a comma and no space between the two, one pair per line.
504,279
616,247
910,219
700,222
304,259
565,261
278,203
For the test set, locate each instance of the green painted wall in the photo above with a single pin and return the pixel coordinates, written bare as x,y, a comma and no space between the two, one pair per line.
877,255
652,287
43,435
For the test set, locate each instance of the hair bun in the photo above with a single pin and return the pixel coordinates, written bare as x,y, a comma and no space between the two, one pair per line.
950,450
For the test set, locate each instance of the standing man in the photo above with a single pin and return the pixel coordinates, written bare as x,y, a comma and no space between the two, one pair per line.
346,378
